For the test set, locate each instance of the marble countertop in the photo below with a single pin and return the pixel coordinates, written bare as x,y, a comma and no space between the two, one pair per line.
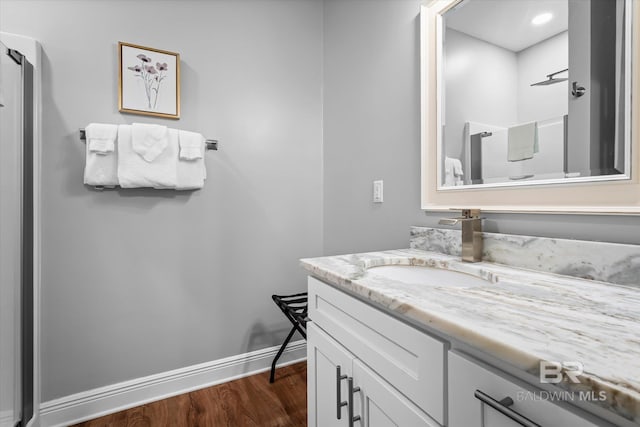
519,316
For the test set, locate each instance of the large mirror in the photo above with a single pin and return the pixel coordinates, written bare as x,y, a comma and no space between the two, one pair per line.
565,95
533,92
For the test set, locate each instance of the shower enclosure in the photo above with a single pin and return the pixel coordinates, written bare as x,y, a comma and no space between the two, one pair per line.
16,239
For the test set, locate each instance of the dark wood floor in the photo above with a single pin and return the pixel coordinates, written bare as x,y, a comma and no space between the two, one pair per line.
249,401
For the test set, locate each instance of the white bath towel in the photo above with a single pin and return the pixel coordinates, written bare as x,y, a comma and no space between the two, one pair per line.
149,141
191,145
452,171
101,159
101,137
190,173
135,171
523,142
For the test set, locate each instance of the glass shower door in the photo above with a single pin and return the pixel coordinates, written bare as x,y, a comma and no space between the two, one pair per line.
12,241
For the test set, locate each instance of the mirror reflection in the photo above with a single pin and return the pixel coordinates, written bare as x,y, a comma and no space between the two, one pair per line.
534,91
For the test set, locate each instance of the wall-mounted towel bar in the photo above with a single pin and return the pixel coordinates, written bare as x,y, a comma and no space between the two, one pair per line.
212,144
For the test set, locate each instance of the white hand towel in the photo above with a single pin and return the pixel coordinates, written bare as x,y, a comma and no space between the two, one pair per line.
101,137
523,142
149,141
134,171
457,167
191,173
191,145
101,161
457,171
101,169
449,174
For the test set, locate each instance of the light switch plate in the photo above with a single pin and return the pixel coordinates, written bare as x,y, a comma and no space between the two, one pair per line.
378,191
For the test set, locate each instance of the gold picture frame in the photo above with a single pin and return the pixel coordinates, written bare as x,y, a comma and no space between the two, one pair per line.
148,81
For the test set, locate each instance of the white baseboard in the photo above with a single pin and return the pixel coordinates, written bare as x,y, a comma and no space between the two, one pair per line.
117,397
7,417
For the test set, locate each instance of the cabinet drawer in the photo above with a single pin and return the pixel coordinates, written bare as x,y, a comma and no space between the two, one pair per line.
467,410
409,359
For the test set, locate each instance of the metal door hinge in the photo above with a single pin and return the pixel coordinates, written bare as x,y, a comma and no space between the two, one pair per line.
15,55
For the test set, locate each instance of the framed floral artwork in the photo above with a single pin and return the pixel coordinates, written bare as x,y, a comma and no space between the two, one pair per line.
149,81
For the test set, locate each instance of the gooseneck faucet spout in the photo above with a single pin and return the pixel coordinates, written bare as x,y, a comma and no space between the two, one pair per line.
471,233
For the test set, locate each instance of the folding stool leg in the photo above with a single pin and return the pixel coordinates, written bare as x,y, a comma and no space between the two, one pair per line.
282,347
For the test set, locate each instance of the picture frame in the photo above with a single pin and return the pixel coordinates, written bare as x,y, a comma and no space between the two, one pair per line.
148,81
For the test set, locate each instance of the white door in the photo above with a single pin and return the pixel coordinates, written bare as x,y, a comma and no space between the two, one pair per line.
10,238
378,404
329,365
596,49
579,131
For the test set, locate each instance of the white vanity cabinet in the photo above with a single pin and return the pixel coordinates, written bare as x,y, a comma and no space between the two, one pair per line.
480,396
389,372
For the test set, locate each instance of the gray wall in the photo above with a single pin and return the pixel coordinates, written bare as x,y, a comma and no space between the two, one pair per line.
137,282
534,64
477,73
371,123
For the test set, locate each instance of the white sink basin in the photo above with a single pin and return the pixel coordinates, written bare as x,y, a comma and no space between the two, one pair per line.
428,276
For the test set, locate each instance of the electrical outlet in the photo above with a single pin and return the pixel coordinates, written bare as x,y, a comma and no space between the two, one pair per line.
378,191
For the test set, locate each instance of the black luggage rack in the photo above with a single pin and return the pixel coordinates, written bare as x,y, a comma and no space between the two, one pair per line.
295,308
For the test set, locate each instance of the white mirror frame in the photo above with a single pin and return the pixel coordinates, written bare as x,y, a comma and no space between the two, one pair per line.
601,197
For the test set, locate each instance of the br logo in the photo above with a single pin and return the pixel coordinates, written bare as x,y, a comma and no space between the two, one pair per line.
556,372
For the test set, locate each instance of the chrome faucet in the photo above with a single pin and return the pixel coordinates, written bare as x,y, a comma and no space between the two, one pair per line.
471,233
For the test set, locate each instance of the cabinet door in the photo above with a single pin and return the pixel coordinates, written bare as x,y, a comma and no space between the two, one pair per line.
324,388
380,405
411,360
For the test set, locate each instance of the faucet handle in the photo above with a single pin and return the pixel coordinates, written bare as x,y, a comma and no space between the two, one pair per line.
450,221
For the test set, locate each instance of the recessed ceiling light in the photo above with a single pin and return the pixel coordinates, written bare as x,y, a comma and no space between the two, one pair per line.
541,19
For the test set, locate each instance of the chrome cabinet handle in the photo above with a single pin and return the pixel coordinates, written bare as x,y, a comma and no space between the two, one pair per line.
502,406
339,402
352,390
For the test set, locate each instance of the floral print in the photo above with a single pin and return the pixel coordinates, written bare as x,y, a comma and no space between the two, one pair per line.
152,77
